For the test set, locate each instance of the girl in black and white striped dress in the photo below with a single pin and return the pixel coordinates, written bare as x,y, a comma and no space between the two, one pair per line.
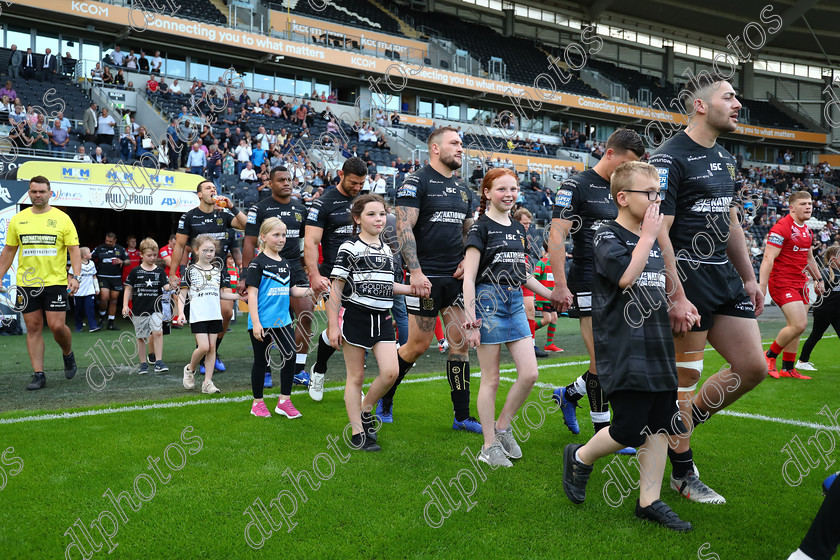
363,283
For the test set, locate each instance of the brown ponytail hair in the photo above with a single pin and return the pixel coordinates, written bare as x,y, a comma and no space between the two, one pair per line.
487,184
359,207
830,254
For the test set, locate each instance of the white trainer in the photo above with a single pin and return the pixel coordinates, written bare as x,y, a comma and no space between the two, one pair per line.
805,366
316,386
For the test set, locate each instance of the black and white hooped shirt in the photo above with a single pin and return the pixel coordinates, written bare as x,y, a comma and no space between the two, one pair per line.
368,271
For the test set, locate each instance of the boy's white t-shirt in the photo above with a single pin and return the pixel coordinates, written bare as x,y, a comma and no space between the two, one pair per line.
86,286
204,293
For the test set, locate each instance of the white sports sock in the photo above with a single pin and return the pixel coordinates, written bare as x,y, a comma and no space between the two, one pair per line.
110,317
301,360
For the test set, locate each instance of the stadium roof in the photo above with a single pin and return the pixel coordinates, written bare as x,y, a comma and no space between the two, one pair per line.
809,27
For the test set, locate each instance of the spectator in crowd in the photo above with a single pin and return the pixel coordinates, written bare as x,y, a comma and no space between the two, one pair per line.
175,88
248,174
152,84
15,62
131,60
243,154
59,137
157,63
99,156
107,77
90,122
196,160
81,155
128,144
395,119
49,66
143,62
9,91
96,73
119,79
117,56
28,67
6,105
228,163
105,129
40,135
214,165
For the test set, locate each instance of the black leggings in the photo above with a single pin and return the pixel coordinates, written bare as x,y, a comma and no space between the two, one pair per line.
822,320
823,537
282,339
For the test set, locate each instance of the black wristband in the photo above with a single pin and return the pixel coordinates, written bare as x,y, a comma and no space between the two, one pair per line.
235,211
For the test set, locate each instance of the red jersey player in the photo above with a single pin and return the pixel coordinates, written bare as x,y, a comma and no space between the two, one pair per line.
542,272
787,255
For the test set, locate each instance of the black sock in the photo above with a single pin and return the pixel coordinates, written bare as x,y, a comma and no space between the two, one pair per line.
403,367
572,394
152,357
682,463
786,365
325,352
770,354
218,343
458,374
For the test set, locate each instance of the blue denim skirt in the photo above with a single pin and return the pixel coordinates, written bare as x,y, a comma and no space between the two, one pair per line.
502,313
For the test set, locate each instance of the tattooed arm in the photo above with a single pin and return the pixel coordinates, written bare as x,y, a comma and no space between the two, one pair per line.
406,219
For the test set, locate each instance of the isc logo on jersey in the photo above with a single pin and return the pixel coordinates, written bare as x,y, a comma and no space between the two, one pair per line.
564,198
663,177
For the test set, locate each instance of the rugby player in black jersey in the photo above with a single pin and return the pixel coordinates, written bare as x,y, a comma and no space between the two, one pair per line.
329,224
212,218
708,269
292,213
583,203
434,214
109,258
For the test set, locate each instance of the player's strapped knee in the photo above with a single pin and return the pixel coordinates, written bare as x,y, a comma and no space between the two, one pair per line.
598,402
688,360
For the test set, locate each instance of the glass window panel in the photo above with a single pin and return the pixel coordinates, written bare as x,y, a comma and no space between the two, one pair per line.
693,50
175,67
322,88
424,108
787,68
521,11
656,41
454,113
302,86
394,102
548,16
471,113
74,51
773,66
814,72
19,37
91,51
284,85
440,110
45,41
495,5
199,71
216,73
707,53
760,65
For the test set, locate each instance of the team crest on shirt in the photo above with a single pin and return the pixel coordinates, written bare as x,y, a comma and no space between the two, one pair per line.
522,239
731,169
220,221
51,223
464,196
428,303
298,217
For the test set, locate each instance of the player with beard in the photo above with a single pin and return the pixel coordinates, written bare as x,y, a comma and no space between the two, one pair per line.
291,212
329,224
708,269
434,214
582,205
214,215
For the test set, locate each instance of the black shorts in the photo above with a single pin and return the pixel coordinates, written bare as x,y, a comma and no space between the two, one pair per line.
446,292
715,289
580,284
638,413
543,306
108,283
364,328
206,327
48,298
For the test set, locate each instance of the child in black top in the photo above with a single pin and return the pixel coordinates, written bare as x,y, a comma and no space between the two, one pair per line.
495,269
634,349
144,287
826,308
363,282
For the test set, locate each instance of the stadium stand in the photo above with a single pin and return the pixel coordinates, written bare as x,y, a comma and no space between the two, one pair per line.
360,14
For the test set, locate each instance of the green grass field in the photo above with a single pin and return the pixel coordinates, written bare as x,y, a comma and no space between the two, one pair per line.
214,461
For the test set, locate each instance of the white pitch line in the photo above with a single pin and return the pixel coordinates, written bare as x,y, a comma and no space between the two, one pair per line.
225,400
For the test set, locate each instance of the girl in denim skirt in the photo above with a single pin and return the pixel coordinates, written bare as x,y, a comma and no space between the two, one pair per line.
495,269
